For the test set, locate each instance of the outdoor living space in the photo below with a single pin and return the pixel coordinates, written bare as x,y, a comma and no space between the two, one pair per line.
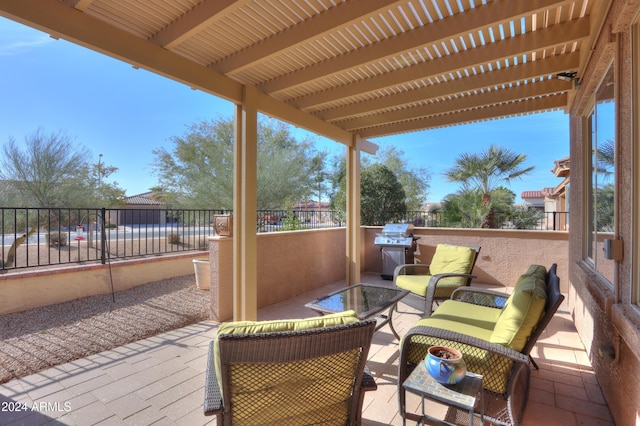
160,380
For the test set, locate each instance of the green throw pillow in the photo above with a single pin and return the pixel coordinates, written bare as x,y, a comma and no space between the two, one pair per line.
252,327
521,313
451,259
537,271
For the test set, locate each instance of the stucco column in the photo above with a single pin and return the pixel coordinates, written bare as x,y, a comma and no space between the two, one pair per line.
245,207
353,214
221,284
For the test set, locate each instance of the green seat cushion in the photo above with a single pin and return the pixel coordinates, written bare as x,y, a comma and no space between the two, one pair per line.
521,313
252,327
482,317
416,284
452,324
447,259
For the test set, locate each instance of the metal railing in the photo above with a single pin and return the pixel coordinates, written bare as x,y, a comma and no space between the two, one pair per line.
541,221
291,220
33,237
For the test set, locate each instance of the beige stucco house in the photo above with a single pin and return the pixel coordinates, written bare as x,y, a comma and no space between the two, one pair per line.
553,202
357,70
139,209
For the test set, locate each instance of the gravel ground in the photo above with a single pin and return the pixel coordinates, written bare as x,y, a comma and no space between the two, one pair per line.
41,338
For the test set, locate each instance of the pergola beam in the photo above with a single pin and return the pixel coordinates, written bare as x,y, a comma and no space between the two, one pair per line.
480,114
480,56
340,15
194,21
442,30
494,97
470,84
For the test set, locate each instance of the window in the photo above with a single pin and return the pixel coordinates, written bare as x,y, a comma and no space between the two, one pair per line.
601,191
635,44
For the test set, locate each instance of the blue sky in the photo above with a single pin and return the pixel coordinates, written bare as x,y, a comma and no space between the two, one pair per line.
124,113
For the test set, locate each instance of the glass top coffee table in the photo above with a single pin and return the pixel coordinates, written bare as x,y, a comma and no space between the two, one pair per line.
367,300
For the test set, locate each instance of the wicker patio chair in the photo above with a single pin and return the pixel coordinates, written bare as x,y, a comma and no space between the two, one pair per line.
505,370
314,376
450,268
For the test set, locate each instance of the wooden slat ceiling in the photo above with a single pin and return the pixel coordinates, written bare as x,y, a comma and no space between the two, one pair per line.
368,67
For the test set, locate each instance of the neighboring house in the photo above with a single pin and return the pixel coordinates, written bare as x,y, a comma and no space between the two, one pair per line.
558,199
313,211
554,202
141,209
536,199
312,205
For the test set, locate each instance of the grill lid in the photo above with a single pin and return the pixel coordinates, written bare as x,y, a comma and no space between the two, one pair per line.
397,230
395,234
381,240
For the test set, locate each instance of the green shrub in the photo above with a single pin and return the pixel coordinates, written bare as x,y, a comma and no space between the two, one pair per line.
174,238
57,239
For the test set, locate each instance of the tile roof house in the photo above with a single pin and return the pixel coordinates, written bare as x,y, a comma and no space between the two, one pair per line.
554,202
140,209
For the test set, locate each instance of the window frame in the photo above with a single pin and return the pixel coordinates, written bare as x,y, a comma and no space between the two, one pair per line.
592,235
635,123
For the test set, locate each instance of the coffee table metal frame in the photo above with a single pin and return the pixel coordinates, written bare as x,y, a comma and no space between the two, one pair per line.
367,300
463,395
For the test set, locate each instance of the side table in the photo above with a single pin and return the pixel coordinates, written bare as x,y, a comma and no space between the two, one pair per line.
463,395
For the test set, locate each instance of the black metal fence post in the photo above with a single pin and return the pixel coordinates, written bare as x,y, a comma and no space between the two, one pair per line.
103,236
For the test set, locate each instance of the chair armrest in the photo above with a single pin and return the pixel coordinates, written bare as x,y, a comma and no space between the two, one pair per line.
500,357
212,394
483,297
410,269
433,284
464,339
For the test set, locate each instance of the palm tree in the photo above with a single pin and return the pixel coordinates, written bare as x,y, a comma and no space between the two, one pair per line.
605,159
486,172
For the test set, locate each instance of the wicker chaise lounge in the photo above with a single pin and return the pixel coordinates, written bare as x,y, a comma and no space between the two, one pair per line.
495,332
311,373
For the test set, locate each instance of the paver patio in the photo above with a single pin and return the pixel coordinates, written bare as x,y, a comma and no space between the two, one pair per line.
160,380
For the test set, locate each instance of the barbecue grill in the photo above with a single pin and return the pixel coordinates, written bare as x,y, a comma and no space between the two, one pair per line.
397,246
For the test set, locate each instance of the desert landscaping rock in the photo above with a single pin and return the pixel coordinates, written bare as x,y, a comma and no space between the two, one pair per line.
41,338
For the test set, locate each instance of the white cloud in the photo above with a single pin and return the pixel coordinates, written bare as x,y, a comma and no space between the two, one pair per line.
17,39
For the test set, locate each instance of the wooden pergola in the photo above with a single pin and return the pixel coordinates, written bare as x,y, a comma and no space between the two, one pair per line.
348,70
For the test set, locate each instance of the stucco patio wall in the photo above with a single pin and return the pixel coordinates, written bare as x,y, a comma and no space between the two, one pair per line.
24,289
289,264
504,254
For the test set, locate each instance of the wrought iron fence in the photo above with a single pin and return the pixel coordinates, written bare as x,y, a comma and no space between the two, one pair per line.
540,221
291,220
32,237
